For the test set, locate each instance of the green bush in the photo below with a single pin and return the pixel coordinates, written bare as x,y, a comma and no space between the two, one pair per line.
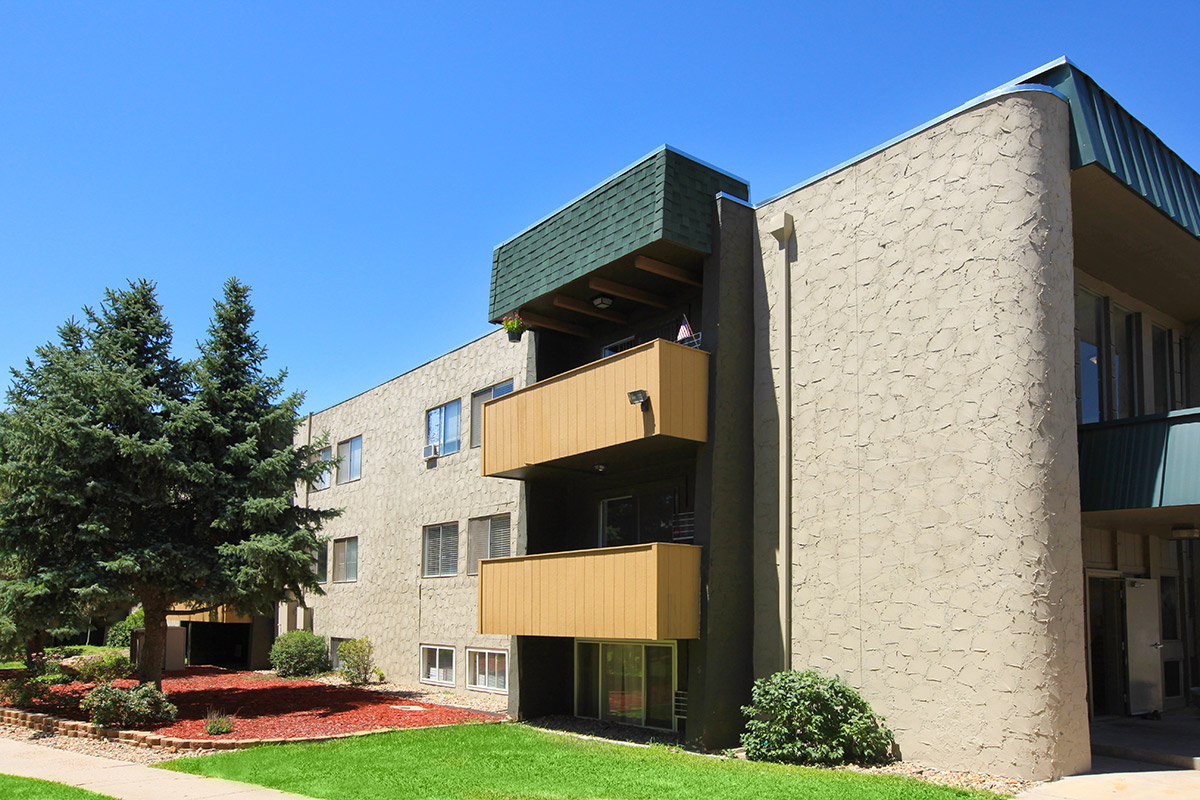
119,633
806,718
217,722
357,659
299,654
109,667
140,706
27,691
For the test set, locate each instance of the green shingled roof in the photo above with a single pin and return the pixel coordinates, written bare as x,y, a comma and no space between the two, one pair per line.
665,196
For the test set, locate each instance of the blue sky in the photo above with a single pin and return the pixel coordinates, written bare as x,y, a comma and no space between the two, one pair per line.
356,163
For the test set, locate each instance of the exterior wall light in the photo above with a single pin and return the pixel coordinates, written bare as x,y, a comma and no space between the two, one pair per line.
639,397
602,301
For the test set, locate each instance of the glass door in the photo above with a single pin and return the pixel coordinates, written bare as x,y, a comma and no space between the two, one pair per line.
629,683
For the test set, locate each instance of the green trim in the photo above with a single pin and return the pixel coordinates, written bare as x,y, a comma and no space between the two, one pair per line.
1106,134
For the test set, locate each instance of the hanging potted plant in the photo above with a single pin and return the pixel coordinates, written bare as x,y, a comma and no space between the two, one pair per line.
514,325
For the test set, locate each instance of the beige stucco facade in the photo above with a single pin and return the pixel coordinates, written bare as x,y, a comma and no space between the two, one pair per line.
398,494
935,557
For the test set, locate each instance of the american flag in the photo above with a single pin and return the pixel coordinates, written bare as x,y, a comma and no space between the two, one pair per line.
685,332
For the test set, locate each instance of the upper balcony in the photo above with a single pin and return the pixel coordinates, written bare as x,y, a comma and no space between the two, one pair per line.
585,417
1142,474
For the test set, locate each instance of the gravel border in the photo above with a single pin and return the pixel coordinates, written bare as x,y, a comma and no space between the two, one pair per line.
104,748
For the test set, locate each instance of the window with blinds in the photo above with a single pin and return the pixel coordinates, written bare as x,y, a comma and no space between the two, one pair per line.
345,559
440,551
489,537
437,665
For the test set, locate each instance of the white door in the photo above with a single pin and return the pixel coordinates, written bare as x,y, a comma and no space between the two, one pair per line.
1143,644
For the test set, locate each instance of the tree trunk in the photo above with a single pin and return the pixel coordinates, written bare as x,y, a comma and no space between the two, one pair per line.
35,645
154,642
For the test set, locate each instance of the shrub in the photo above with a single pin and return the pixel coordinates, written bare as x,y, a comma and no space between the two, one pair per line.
107,667
298,654
25,692
119,633
357,658
59,653
805,718
217,722
142,705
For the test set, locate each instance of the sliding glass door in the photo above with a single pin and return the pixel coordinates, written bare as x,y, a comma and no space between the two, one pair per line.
630,683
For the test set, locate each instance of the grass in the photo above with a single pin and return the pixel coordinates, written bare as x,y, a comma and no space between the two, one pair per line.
489,762
88,650
14,788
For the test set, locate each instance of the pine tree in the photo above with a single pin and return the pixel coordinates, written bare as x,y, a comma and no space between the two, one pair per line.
131,475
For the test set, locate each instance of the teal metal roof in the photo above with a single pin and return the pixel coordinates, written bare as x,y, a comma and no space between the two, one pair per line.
1145,462
665,196
1104,133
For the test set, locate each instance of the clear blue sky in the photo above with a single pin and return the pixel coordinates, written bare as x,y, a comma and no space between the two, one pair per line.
356,163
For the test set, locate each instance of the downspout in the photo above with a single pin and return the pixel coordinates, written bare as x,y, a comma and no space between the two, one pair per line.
782,227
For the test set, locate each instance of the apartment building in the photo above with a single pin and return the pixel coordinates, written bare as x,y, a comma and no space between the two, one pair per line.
921,421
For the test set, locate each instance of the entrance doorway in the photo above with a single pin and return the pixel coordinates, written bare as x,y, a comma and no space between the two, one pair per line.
1125,669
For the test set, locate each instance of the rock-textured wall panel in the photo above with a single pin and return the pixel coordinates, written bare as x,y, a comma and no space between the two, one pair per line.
399,494
936,559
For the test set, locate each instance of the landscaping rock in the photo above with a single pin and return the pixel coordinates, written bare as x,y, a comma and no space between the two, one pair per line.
71,666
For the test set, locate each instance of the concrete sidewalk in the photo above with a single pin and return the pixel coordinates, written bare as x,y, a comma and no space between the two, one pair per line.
121,779
1182,783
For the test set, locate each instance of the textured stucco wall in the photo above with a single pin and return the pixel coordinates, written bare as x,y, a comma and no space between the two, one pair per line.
936,557
398,495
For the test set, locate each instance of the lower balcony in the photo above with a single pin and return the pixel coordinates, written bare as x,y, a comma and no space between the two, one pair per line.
1143,473
644,591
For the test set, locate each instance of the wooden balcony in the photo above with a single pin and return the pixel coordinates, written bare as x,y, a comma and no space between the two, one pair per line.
566,420
643,591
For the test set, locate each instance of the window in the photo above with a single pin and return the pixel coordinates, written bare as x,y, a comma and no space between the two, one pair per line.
335,663
487,670
1126,347
1089,324
437,665
349,460
442,429
322,562
325,454
345,559
487,538
441,551
477,401
649,516
618,347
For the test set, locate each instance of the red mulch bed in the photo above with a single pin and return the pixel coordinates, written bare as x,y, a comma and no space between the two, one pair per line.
268,708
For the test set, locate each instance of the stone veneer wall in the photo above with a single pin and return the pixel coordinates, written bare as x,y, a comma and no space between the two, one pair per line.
936,558
399,494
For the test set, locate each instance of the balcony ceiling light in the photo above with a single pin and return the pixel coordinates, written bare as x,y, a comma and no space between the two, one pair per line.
602,301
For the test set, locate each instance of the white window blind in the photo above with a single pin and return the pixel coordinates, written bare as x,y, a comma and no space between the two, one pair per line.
437,665
441,550
489,537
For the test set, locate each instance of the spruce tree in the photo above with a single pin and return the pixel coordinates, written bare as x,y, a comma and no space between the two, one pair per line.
129,475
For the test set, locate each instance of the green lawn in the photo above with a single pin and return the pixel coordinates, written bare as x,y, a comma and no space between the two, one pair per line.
14,788
509,760
88,649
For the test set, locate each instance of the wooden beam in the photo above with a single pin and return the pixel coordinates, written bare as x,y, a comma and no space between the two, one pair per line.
666,270
627,292
538,321
584,307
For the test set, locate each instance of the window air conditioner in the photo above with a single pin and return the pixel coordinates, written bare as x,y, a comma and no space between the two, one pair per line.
431,451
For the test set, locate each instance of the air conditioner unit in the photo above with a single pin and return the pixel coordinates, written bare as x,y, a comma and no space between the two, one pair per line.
432,451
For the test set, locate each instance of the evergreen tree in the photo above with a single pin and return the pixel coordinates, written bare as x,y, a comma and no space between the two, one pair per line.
132,475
